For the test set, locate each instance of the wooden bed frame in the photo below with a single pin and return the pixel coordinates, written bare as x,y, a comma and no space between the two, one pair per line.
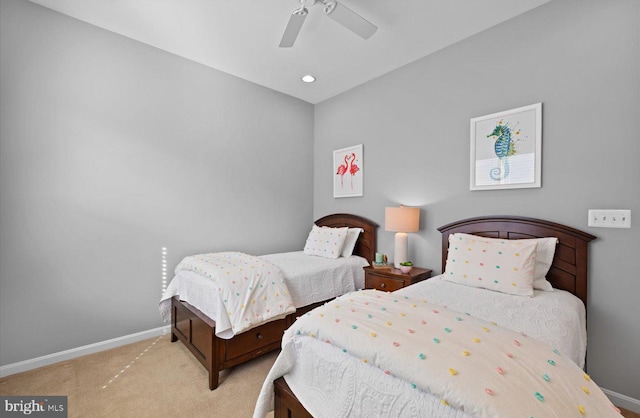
197,331
568,272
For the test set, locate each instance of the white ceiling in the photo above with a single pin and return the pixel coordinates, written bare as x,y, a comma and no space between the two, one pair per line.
241,37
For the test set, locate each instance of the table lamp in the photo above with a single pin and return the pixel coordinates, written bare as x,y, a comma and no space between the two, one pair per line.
401,220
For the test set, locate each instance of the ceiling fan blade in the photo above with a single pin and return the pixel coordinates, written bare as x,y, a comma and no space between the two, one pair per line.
350,19
293,28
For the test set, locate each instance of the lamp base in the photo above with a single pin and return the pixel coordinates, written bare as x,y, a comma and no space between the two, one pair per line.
400,253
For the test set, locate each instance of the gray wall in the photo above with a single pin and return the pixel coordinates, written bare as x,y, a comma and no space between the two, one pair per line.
581,59
111,150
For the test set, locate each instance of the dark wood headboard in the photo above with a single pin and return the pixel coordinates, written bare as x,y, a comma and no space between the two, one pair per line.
569,268
366,245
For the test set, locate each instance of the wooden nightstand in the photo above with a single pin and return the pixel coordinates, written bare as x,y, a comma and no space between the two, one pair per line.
394,279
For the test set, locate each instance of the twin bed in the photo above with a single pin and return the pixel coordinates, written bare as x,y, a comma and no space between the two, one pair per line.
196,320
355,371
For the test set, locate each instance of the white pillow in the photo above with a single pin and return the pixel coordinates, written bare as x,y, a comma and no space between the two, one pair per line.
325,242
350,241
503,266
544,257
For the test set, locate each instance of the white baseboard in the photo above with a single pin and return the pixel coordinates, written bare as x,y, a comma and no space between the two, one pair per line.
623,401
23,366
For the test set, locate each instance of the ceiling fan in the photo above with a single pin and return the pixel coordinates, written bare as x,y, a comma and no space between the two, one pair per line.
337,11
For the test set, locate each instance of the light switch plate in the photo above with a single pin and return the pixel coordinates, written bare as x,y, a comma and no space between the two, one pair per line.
610,218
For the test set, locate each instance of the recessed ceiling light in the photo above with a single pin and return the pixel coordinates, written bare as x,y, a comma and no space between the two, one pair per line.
308,78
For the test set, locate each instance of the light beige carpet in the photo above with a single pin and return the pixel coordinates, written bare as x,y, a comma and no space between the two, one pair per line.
151,378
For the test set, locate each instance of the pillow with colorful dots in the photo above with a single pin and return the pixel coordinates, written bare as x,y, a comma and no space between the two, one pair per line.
504,266
350,241
544,257
325,242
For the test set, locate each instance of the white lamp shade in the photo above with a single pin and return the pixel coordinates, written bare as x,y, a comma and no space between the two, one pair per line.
402,219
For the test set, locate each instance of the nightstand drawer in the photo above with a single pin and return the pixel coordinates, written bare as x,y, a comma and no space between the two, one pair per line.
382,283
393,279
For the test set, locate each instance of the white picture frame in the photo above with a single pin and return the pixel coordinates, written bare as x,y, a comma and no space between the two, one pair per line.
506,149
348,172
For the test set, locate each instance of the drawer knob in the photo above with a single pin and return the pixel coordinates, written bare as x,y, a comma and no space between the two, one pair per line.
383,285
259,336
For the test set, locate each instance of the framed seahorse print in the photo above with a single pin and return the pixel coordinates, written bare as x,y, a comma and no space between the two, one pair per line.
506,149
348,169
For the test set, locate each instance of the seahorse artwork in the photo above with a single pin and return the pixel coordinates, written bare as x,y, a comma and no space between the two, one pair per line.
504,148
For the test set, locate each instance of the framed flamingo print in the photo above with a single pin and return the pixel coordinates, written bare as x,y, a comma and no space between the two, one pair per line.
348,166
506,149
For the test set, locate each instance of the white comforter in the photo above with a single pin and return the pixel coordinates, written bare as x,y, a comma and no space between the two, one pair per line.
474,365
249,289
557,318
312,279
325,379
309,279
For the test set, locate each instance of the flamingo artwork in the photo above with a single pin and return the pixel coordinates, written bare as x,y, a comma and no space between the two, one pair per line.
353,168
342,170
348,162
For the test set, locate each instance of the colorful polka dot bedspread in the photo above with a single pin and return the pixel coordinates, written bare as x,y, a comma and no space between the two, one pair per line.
470,364
251,289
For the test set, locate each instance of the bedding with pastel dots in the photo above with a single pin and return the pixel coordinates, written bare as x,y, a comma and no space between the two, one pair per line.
476,366
251,290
